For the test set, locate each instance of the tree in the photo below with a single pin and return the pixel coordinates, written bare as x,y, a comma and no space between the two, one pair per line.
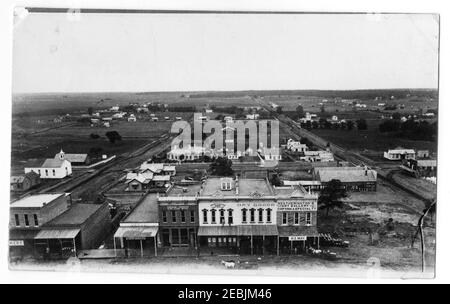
361,124
331,196
113,136
350,125
276,181
300,111
222,166
94,136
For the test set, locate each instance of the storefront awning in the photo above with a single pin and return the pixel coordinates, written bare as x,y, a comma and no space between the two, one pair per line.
242,230
136,232
62,233
297,231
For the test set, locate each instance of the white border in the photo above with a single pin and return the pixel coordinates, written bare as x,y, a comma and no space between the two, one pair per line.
412,6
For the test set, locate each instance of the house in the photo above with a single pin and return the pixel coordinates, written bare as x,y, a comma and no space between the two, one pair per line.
158,168
119,115
400,154
81,227
423,154
24,182
272,153
74,159
114,109
296,146
28,214
52,168
184,154
317,156
131,118
423,167
138,181
352,178
155,119
252,116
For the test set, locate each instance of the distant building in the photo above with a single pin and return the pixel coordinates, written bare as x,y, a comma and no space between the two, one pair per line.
352,178
400,154
24,182
132,118
52,168
423,167
423,154
184,154
252,116
317,156
74,159
271,154
296,146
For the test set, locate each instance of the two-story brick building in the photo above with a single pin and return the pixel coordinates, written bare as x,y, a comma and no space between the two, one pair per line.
28,214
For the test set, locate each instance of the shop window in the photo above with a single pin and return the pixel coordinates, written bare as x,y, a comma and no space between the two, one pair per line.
174,216
269,215
308,219
244,215
296,218
16,216
284,218
164,216
213,216
205,216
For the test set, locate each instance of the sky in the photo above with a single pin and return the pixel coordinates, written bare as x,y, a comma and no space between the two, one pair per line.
95,52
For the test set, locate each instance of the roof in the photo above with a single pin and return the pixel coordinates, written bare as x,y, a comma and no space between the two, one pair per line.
161,178
185,190
20,178
22,234
140,177
36,201
144,212
52,163
74,158
60,233
246,187
155,168
401,151
136,232
237,230
426,163
345,175
76,215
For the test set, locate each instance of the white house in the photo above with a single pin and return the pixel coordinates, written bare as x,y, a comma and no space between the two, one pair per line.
132,118
296,146
183,154
317,156
252,116
271,153
399,154
52,168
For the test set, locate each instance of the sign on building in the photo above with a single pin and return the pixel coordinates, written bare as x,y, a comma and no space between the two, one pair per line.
297,238
16,243
297,206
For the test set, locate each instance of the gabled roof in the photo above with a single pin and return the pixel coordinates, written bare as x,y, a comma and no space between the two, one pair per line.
73,158
155,168
53,163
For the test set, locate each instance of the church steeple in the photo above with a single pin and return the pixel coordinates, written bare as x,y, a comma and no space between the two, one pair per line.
62,155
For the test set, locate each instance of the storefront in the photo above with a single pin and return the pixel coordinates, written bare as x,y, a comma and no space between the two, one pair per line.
137,240
240,239
57,243
296,240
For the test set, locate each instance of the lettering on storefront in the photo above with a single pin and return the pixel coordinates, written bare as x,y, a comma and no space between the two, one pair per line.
297,206
177,207
16,243
256,205
297,238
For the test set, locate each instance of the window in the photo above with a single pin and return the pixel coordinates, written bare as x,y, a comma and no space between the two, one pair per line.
308,219
183,216
213,216
192,216
174,216
36,222
284,218
27,222
252,215
205,216
260,215
222,216
269,215
164,216
296,218
54,172
16,216
39,171
230,216
46,172
244,215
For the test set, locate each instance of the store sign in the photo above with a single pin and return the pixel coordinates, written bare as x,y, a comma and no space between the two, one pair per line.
179,207
297,238
16,243
256,205
297,206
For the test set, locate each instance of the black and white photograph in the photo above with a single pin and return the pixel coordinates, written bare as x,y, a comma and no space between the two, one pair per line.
224,142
